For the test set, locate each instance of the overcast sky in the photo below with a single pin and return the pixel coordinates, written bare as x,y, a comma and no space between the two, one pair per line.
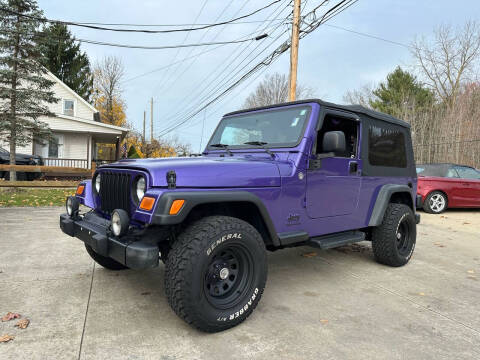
331,61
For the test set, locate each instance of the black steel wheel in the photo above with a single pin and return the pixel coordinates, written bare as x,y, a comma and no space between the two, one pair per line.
215,273
228,276
394,240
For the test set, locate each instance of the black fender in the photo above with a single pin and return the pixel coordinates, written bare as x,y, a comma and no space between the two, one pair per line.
161,215
383,199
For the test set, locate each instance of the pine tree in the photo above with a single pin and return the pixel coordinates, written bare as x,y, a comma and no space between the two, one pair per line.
401,90
24,90
63,57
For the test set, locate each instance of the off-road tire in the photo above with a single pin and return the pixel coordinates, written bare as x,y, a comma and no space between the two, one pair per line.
427,206
389,247
188,273
106,262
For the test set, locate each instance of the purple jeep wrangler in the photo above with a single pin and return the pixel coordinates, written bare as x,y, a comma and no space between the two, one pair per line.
294,174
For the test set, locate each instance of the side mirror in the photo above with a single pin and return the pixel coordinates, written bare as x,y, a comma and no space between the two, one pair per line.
334,142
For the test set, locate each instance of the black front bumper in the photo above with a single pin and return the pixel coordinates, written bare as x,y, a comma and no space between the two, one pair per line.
129,250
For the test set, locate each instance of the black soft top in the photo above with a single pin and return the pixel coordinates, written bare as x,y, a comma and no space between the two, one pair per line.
352,108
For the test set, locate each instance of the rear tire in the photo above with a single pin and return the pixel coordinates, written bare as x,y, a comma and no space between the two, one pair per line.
215,273
435,203
106,262
394,240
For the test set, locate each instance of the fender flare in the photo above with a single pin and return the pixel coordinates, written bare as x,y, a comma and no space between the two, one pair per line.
382,201
161,215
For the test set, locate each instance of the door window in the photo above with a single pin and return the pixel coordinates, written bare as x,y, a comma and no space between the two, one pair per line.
452,173
468,173
349,129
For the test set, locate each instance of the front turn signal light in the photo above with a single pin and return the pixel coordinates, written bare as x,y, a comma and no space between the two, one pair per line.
147,203
80,189
176,207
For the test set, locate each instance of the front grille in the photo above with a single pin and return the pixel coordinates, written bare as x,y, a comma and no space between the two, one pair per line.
114,191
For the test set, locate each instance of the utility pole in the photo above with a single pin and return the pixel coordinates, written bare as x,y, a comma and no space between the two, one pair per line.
294,51
144,116
151,120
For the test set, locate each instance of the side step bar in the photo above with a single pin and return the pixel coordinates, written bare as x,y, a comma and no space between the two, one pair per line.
336,240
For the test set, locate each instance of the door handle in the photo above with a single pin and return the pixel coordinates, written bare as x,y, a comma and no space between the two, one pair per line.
353,167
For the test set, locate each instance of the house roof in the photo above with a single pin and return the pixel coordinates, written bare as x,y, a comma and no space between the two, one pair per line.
91,123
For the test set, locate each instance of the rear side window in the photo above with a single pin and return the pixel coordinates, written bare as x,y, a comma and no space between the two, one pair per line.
386,147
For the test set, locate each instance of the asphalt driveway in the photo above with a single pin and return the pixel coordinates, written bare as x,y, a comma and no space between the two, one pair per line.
317,304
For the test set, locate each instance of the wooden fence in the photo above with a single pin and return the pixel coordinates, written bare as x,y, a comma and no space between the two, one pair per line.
71,171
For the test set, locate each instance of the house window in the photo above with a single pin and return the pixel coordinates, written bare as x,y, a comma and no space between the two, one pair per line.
68,107
54,146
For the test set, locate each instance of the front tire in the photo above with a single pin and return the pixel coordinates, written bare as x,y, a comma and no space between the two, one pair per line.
394,240
435,203
106,262
216,272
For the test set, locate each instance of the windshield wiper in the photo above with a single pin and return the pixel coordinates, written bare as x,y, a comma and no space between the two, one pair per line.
262,145
223,146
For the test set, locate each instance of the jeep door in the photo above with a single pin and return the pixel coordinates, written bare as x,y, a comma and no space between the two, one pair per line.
334,179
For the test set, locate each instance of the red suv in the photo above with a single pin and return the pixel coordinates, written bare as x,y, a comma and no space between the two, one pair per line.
443,186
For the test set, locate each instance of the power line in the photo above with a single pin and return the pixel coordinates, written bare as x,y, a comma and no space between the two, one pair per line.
217,80
369,35
201,84
170,25
174,72
314,24
95,27
95,42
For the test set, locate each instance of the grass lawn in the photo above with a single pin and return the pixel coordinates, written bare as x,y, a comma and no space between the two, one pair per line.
33,197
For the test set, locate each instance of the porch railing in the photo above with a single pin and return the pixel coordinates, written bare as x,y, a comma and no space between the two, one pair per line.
76,163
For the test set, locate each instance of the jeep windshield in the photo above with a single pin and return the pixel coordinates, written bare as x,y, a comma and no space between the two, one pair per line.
271,128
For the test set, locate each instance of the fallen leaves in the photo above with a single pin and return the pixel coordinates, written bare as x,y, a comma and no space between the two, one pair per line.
309,255
10,316
324,321
6,338
23,323
421,294
466,223
470,271
439,245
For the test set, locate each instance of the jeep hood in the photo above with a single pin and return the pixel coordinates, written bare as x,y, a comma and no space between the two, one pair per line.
209,172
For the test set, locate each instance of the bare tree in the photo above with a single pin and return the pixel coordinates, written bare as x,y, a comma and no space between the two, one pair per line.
107,97
450,60
273,90
363,96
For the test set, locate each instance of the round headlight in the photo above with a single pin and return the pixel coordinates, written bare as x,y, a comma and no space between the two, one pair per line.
97,183
140,188
120,222
72,205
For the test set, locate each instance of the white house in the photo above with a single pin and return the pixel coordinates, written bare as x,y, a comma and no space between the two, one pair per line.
76,130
